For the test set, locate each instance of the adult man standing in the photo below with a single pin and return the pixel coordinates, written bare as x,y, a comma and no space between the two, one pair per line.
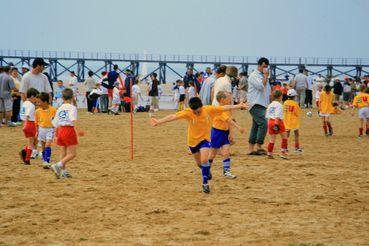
206,89
222,83
300,84
258,99
188,77
6,102
90,84
36,79
309,91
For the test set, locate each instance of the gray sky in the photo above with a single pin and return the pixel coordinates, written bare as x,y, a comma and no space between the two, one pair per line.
324,28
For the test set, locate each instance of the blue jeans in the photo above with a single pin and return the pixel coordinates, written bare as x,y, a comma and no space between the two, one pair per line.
259,125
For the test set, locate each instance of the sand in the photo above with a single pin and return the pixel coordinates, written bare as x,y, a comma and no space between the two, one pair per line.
318,198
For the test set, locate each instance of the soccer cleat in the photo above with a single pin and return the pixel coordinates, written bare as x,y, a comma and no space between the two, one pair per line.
22,155
206,188
34,154
229,175
57,170
66,174
284,156
299,151
46,165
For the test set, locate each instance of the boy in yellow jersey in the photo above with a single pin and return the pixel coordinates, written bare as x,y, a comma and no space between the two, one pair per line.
220,138
326,108
291,120
199,119
361,102
43,117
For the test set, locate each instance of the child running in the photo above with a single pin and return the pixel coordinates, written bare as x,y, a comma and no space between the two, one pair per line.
361,102
66,123
326,108
220,134
44,116
291,110
199,119
276,125
27,114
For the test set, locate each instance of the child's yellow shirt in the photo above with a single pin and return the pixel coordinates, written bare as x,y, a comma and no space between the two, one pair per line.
199,126
43,117
291,111
326,103
221,122
361,100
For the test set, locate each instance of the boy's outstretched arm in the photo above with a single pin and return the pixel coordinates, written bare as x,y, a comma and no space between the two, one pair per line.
169,118
235,107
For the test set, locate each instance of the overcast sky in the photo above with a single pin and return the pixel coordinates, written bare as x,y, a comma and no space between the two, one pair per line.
324,28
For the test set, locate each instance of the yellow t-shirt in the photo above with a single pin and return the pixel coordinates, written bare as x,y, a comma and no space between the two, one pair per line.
199,126
221,122
291,111
361,100
326,103
43,117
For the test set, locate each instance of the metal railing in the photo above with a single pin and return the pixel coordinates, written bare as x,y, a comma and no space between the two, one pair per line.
168,58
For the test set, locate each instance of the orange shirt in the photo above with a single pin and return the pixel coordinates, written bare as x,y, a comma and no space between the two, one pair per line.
199,126
43,117
326,103
221,122
291,111
361,100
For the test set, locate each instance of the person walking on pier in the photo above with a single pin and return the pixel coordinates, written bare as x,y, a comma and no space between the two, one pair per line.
258,99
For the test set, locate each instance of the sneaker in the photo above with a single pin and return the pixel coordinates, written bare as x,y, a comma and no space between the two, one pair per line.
229,175
57,170
11,124
284,156
34,154
299,151
206,188
66,174
46,165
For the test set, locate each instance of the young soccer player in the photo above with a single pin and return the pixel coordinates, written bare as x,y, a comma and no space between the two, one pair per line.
276,125
291,110
326,108
182,96
116,99
43,117
66,123
220,138
361,102
199,119
317,96
28,116
191,90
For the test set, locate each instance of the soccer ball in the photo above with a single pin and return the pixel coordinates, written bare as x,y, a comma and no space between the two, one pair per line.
309,114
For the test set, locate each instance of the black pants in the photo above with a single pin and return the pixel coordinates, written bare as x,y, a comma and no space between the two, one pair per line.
309,98
89,102
16,109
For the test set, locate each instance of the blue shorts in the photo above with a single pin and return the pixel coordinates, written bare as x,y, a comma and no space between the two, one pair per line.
219,138
201,145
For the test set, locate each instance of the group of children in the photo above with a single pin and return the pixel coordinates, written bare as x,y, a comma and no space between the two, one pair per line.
180,98
44,124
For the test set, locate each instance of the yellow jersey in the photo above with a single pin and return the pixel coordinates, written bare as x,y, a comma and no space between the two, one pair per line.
361,100
43,117
326,103
199,126
221,122
291,111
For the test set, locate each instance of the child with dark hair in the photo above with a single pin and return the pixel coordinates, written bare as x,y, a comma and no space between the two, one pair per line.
326,108
276,125
199,119
27,114
44,116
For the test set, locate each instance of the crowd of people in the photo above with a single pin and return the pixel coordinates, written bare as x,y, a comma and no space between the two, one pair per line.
205,99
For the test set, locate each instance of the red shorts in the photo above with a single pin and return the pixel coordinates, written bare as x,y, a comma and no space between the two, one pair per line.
66,136
110,93
271,124
29,129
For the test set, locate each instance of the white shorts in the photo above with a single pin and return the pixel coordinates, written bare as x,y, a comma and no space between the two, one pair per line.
45,134
6,105
116,100
364,113
58,102
324,115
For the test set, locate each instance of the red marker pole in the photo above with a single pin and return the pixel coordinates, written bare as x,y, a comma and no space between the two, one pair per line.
131,99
